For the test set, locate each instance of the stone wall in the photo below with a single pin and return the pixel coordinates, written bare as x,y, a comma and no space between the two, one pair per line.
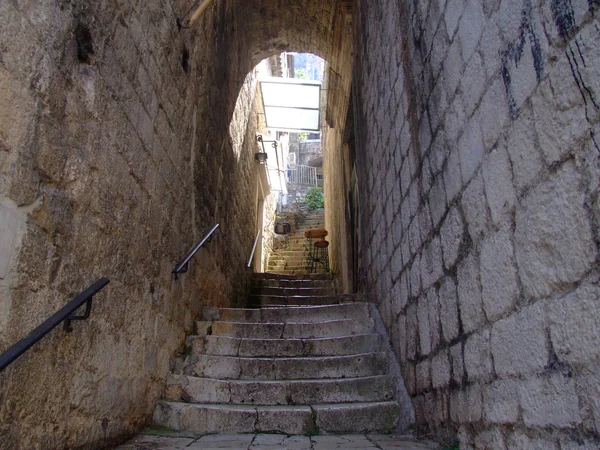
479,132
116,156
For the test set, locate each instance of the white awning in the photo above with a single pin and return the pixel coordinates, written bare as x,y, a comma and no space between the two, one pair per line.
291,104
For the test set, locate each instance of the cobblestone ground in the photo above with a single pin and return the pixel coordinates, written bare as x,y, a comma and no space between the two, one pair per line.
278,441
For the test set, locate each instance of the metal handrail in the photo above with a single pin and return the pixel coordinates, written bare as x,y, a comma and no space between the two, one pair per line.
65,314
253,249
183,266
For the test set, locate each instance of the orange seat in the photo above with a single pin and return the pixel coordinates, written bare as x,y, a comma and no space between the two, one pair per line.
317,233
322,244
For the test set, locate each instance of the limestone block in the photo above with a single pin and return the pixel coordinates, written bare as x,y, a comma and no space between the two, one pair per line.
470,27
588,386
425,221
452,16
499,190
473,83
440,370
458,367
411,331
469,294
519,439
17,107
523,152
466,404
451,235
423,324
434,317
448,309
491,438
437,200
285,419
477,355
415,276
414,233
574,325
452,177
493,112
453,68
519,342
396,262
559,111
501,401
471,149
475,208
554,243
498,274
431,263
423,375
550,401
490,47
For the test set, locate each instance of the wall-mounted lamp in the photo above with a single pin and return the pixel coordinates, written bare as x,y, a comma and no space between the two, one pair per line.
261,157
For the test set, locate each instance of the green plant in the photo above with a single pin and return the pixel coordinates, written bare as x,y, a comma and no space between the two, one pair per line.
301,74
315,198
302,137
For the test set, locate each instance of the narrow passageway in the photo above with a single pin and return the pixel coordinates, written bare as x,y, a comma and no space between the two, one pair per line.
296,252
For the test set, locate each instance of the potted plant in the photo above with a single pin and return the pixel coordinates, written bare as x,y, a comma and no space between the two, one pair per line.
282,226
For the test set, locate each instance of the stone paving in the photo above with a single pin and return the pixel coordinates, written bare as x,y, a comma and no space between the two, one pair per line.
279,441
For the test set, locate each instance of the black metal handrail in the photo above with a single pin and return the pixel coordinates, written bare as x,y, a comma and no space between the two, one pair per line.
183,266
65,314
253,249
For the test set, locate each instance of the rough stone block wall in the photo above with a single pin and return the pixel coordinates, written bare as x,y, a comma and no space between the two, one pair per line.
116,156
480,133
336,177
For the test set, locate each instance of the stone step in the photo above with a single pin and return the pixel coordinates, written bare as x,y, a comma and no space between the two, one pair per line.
293,330
256,301
295,291
305,314
285,392
278,276
300,272
296,260
293,283
277,348
234,368
318,418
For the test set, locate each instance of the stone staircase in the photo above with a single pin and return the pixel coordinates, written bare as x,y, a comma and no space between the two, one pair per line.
292,259
299,363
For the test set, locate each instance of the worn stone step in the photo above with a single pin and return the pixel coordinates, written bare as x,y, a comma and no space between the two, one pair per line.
293,283
293,330
264,300
294,291
278,276
276,348
306,314
284,392
289,260
225,367
324,418
300,272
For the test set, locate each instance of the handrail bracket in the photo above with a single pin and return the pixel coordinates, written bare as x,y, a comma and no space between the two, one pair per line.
88,309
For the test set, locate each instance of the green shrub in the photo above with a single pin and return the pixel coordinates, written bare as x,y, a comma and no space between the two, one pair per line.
315,199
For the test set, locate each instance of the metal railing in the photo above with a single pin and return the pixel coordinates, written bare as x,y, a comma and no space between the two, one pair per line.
253,249
183,266
303,175
65,314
